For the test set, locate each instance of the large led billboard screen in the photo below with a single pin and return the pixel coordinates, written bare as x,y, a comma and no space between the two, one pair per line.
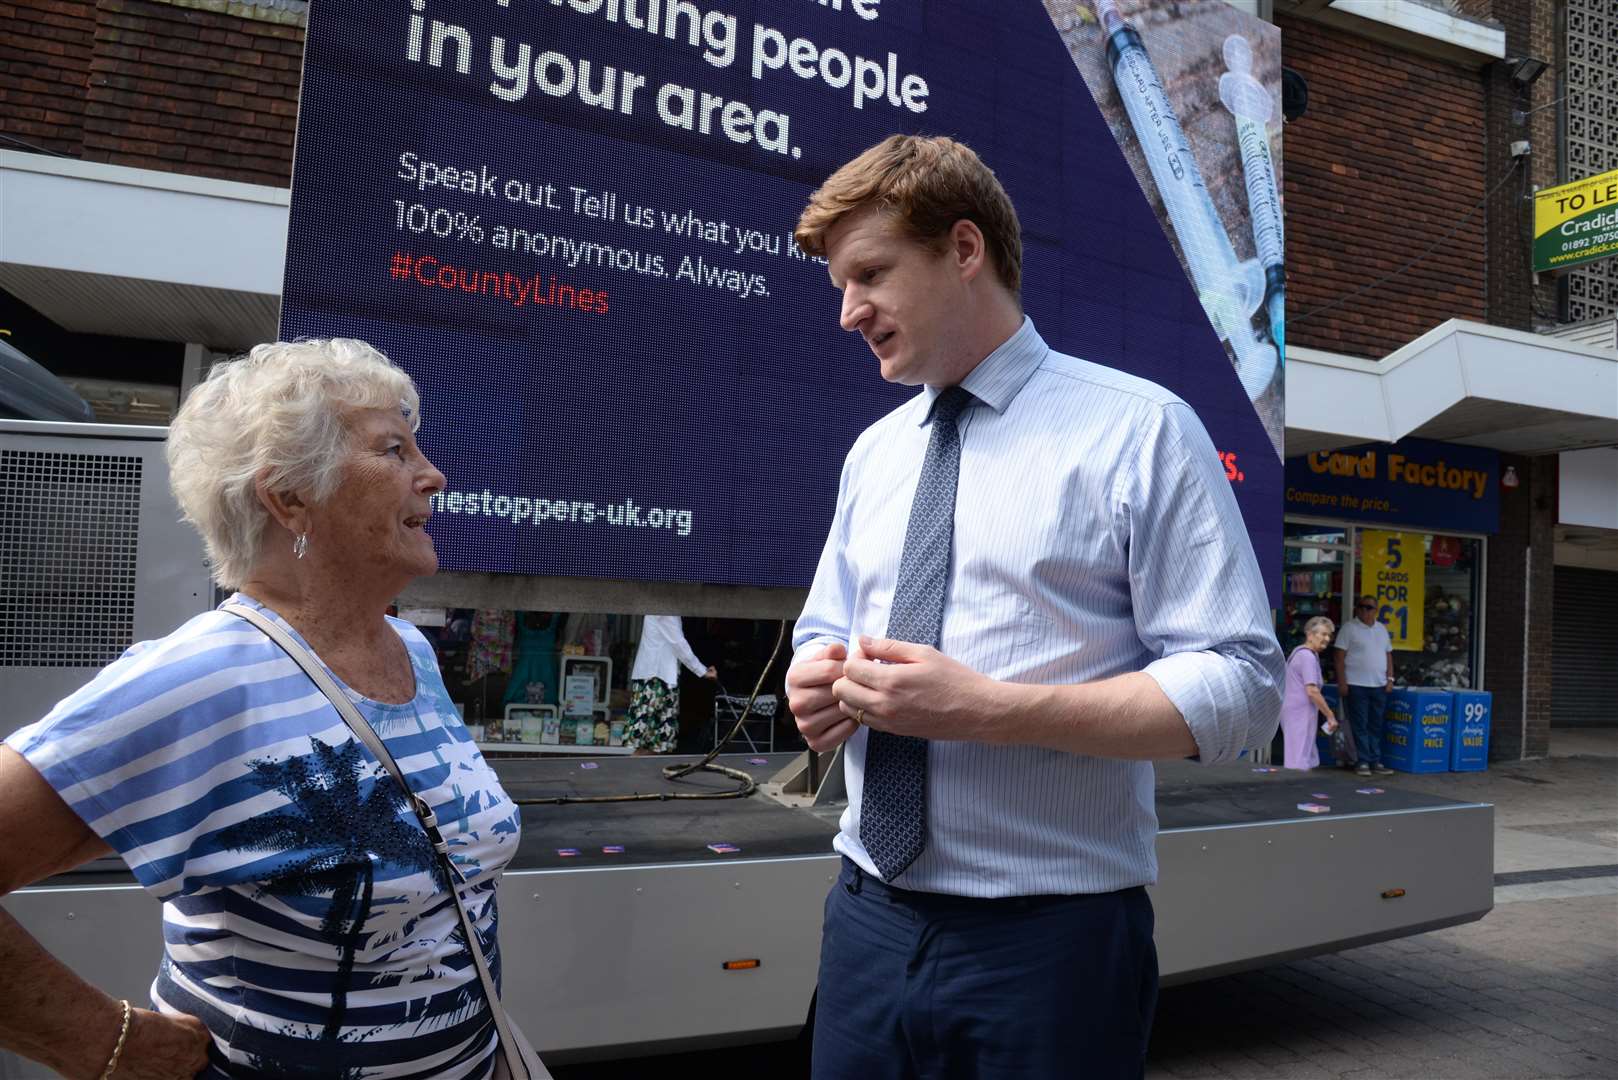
570,221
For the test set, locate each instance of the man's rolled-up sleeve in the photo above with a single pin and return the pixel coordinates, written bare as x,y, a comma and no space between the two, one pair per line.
827,614
1199,599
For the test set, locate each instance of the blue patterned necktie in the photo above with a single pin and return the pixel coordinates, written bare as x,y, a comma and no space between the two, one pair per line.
893,808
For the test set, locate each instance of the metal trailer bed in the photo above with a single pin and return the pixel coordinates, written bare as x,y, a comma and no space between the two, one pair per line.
613,955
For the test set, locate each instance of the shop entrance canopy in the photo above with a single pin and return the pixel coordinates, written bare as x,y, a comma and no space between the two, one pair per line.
105,249
1461,382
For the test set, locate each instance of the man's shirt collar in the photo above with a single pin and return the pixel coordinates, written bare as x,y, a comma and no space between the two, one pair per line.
1001,374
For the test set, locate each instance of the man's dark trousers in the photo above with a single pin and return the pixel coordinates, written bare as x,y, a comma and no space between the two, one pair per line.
919,986
1367,706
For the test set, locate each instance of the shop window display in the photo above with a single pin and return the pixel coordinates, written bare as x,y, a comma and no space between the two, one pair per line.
503,668
1447,656
508,672
1313,581
1325,564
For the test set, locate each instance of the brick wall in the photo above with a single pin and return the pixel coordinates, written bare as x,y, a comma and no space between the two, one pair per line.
1544,42
1520,584
154,85
1510,236
45,52
1387,159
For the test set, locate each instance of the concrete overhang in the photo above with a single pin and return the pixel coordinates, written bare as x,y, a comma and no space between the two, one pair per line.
1461,382
104,249
1427,27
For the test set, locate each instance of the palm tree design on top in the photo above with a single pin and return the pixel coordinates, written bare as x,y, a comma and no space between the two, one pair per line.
339,833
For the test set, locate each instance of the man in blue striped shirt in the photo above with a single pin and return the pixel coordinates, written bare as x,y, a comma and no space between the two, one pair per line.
1100,608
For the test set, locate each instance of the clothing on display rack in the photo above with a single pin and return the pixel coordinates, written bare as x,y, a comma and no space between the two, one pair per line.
493,633
534,675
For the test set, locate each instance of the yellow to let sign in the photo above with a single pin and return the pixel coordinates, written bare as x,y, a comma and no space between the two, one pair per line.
1394,571
1577,222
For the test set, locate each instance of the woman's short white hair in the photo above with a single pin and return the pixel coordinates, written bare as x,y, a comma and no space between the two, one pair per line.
1319,622
279,412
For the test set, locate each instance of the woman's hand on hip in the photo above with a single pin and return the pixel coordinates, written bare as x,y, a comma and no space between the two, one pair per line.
163,1047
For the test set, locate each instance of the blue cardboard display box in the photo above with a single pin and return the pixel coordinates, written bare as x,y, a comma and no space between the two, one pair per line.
1469,741
1416,731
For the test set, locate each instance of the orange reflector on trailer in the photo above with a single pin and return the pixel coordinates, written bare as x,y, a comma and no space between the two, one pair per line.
740,965
1392,894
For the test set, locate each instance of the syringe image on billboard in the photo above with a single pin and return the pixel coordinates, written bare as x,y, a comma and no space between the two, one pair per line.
1251,105
1209,120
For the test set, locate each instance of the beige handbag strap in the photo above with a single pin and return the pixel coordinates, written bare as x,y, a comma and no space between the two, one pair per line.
515,1061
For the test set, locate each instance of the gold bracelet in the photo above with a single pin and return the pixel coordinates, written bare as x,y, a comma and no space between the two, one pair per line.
123,1033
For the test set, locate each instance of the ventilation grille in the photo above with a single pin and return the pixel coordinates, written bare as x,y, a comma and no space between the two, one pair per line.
1591,136
69,524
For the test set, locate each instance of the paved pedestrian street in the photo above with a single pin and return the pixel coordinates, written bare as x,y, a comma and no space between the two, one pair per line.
1529,991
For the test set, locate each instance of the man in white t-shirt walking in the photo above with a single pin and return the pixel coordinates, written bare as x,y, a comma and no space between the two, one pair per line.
1364,676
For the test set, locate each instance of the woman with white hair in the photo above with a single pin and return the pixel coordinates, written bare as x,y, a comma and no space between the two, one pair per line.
309,924
1302,700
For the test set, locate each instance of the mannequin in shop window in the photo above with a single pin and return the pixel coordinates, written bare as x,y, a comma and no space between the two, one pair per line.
654,685
533,676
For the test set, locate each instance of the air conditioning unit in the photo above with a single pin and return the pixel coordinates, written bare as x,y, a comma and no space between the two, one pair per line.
93,556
